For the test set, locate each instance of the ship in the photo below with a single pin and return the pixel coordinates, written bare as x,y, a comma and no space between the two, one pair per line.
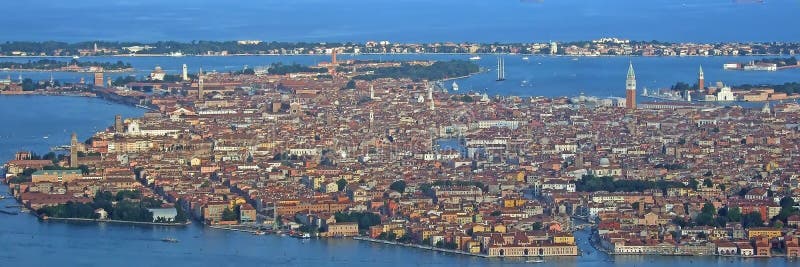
455,86
475,58
75,57
170,240
535,261
525,58
176,54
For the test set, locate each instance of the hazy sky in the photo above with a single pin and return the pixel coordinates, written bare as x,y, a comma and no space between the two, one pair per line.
401,20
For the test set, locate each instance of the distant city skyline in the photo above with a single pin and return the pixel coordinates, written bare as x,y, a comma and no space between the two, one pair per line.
401,20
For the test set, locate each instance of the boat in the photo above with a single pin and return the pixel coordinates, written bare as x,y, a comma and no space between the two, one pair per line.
170,240
535,261
45,137
75,57
475,58
176,54
259,232
525,58
574,59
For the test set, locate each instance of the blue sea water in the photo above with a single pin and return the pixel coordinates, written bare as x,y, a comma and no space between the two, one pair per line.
538,76
401,20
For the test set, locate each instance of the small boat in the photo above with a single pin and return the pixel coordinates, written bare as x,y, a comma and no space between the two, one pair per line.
535,261
259,232
75,57
574,59
170,240
475,58
45,137
525,58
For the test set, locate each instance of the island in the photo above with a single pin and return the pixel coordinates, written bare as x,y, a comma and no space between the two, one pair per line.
608,46
379,152
765,64
74,65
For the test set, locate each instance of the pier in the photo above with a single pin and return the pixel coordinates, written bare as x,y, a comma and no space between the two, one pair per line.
420,247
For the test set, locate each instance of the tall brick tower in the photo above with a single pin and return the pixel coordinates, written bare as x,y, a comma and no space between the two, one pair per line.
118,124
200,84
701,80
73,151
630,88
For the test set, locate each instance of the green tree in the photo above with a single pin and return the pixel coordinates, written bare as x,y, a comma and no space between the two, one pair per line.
734,214
721,221
181,216
342,184
229,215
693,183
708,208
704,219
752,219
787,209
679,221
708,183
399,186
787,202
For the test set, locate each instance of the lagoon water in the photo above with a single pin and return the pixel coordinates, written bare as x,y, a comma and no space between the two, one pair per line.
538,76
26,241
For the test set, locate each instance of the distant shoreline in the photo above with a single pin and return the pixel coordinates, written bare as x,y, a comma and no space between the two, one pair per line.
392,54
131,70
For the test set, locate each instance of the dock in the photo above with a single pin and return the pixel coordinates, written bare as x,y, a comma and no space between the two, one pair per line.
251,231
419,246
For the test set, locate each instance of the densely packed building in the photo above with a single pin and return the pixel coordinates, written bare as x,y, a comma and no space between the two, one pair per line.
395,159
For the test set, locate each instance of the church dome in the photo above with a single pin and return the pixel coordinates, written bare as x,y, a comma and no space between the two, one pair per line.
544,141
604,162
